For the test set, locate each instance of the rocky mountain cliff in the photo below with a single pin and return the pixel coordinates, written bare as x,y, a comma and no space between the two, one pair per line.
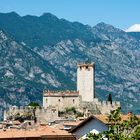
43,53
24,74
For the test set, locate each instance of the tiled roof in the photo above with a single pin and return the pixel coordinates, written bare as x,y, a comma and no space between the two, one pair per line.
101,118
72,123
36,132
84,122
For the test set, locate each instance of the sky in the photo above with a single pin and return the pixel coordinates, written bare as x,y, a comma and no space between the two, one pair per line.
119,13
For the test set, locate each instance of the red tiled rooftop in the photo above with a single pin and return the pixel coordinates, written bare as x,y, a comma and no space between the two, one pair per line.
38,132
72,123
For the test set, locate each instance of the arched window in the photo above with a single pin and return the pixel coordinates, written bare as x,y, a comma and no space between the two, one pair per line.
59,100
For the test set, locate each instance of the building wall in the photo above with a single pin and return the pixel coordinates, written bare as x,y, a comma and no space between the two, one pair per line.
105,107
98,107
93,126
43,114
48,114
85,81
85,89
61,102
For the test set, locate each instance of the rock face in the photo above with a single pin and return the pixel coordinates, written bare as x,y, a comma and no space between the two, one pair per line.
43,53
24,74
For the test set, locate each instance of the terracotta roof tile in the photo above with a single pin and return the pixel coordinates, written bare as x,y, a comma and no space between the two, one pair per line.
72,123
39,131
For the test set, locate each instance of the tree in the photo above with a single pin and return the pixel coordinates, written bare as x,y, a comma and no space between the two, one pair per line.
91,136
34,105
110,98
136,134
119,129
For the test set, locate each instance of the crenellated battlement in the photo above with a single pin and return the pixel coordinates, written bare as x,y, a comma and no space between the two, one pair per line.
48,93
107,103
83,97
101,107
43,114
85,65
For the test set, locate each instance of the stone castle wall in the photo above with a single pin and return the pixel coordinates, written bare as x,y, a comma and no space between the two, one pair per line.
83,98
98,107
46,115
67,99
61,99
105,107
43,115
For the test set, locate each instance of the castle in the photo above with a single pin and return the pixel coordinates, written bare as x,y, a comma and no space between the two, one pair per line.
83,98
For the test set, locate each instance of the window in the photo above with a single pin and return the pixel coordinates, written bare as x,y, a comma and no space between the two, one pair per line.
73,100
88,68
59,100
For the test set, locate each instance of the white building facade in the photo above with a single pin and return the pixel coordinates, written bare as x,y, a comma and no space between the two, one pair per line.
61,99
90,125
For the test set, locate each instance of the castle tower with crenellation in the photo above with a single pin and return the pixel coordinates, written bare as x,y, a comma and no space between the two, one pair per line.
82,98
85,81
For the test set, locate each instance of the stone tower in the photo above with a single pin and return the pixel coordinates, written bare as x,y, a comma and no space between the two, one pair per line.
85,81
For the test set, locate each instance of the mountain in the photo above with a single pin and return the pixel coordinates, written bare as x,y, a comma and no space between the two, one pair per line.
58,45
46,29
24,74
135,35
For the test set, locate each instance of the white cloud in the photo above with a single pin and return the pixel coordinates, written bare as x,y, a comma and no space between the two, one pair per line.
133,28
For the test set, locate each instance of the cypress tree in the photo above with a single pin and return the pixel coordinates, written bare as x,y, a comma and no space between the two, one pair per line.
110,98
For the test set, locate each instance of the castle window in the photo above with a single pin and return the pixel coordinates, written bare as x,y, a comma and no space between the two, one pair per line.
80,67
86,67
59,100
73,100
